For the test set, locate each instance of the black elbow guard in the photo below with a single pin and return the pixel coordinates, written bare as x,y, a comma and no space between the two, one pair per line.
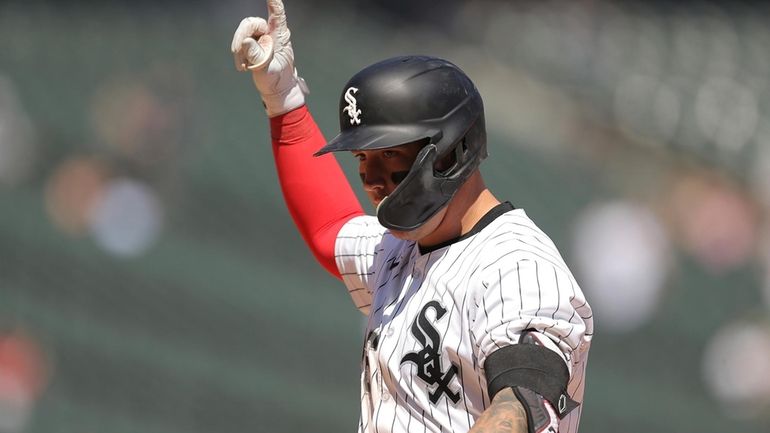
536,375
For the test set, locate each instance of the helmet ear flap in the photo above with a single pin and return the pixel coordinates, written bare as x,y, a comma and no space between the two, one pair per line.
461,154
446,165
461,151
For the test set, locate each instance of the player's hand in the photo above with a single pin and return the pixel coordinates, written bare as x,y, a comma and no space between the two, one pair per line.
264,48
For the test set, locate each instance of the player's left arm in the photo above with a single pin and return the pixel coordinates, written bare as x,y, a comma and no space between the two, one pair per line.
522,381
528,332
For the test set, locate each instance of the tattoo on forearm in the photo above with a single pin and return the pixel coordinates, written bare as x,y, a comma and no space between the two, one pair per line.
504,415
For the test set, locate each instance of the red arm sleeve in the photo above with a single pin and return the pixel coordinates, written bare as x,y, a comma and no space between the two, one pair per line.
317,193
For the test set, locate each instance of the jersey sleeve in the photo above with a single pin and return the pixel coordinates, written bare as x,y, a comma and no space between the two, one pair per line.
317,193
527,293
361,250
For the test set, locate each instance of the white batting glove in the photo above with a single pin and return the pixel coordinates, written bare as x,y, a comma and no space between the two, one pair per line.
264,48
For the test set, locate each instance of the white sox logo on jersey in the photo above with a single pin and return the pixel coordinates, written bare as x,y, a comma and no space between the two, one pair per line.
428,360
352,109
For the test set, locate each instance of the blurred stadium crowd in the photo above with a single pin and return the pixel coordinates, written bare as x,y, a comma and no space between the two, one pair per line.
133,163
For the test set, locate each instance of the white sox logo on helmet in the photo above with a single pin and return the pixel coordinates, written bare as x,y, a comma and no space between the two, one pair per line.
352,109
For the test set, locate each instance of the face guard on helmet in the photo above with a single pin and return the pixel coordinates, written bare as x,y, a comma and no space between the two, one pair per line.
406,99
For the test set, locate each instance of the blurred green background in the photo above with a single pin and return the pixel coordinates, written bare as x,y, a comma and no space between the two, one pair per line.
151,279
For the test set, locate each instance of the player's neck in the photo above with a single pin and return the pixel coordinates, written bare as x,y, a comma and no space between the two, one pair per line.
471,202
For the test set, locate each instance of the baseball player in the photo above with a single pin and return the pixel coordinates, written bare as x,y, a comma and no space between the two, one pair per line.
475,323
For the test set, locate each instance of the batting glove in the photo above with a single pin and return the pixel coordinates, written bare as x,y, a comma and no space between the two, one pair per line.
264,48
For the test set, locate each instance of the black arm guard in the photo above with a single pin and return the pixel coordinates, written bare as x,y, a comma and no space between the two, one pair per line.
533,367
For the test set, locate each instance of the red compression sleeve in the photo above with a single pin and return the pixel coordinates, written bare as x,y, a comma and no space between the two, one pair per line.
317,193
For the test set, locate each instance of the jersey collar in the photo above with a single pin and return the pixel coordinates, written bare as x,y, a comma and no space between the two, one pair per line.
483,222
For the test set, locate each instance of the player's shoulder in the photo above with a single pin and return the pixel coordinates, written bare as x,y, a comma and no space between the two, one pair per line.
361,226
514,237
366,232
515,226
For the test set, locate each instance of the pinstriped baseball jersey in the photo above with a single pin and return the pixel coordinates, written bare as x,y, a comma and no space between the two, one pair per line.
434,316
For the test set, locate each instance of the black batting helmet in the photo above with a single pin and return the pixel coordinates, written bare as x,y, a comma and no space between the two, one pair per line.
406,99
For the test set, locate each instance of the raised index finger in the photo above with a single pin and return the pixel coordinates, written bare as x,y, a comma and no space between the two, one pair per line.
276,13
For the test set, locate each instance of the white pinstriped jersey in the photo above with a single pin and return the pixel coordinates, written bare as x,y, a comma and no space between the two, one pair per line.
435,316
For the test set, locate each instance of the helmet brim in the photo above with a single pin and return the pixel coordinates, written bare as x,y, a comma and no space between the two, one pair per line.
376,137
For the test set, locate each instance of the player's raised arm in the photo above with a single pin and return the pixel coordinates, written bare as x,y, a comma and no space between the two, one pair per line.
316,191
